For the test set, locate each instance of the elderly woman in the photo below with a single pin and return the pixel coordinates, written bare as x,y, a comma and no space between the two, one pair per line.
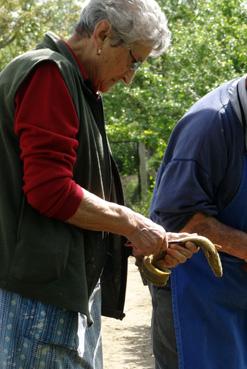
62,218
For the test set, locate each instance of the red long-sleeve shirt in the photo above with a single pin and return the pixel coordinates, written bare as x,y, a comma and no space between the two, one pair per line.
47,124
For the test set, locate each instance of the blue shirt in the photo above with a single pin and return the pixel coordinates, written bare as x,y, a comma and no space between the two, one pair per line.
202,165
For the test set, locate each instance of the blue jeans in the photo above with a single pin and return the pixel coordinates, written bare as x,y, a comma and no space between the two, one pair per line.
41,336
163,334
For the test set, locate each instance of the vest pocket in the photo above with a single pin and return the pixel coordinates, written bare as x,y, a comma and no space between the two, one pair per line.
42,247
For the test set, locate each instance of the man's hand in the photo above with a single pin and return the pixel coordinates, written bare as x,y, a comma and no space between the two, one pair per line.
178,253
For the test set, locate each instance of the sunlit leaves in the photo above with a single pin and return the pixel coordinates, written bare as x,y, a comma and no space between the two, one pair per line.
23,23
209,41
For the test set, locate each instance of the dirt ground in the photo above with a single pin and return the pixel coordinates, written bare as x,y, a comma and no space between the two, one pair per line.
127,343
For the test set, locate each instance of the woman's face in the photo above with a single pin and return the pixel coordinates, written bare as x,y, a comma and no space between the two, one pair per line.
117,63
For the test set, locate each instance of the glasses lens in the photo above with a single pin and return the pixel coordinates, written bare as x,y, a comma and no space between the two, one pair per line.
135,63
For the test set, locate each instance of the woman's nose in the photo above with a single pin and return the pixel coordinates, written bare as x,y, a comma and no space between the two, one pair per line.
128,77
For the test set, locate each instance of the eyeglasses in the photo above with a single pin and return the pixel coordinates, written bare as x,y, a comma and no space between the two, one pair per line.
135,63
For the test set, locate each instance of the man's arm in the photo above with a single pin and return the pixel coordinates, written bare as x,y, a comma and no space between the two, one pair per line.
232,241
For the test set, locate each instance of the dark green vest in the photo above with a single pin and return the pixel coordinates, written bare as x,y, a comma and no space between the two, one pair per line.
41,257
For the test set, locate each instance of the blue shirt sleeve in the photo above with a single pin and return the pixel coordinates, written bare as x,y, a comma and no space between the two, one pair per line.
193,168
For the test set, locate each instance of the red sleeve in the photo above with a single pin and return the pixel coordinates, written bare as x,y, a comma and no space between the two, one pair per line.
47,125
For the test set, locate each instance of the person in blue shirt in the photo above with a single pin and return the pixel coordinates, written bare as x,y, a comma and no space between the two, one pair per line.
199,321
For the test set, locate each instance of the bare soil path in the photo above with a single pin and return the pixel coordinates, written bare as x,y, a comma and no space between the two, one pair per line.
127,343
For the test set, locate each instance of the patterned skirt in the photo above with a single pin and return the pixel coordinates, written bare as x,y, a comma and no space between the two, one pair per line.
34,335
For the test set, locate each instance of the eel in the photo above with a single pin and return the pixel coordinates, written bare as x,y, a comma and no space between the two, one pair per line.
152,269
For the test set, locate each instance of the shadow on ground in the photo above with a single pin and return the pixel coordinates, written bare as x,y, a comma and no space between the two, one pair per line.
137,347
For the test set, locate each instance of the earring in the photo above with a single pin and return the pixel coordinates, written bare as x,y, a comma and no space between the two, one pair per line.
98,51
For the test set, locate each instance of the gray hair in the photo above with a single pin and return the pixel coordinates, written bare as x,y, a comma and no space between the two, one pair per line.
140,21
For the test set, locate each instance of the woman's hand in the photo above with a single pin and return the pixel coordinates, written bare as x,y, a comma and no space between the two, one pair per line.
148,238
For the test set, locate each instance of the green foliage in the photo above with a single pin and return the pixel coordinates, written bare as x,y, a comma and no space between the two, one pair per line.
24,22
126,156
209,40
143,206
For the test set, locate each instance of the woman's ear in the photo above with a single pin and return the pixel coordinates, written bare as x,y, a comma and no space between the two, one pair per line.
101,31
